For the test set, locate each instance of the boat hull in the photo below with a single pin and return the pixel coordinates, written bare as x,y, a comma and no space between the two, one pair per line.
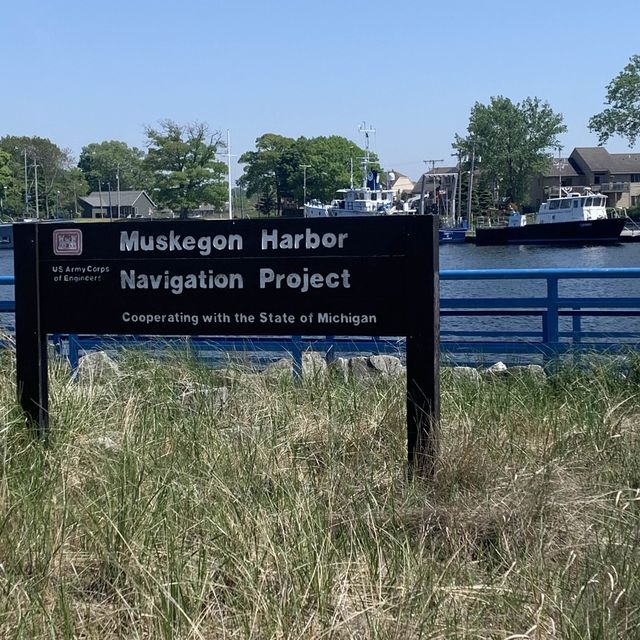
6,236
603,231
452,236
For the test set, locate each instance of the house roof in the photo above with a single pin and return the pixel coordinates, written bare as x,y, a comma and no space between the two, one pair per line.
596,158
127,198
599,159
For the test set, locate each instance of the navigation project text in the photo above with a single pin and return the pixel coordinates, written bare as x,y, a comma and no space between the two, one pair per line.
301,280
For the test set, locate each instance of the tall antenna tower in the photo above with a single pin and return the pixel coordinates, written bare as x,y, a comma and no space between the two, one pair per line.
366,130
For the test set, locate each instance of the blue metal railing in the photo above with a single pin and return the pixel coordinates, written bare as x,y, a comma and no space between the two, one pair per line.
550,325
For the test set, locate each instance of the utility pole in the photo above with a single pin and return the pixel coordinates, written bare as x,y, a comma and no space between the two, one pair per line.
473,166
560,168
433,166
26,187
35,168
100,192
118,187
304,186
110,209
458,193
228,155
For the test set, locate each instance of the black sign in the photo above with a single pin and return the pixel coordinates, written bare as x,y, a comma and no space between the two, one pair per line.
345,276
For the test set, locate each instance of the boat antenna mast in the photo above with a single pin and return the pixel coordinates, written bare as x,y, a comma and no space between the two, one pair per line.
365,161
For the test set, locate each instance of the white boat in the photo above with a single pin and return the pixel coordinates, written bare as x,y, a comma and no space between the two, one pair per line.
370,199
572,218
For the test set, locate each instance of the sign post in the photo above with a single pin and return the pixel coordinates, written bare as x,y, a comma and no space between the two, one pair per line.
335,276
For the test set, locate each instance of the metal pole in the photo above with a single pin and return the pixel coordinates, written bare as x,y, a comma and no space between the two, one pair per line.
229,172
57,204
100,192
35,167
304,187
110,209
433,168
26,187
473,165
118,187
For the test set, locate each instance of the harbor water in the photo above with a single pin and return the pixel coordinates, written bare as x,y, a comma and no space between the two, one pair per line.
469,256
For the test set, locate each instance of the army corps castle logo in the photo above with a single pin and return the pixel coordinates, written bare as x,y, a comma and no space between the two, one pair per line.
67,242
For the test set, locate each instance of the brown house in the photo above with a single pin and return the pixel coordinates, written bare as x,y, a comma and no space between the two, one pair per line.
616,175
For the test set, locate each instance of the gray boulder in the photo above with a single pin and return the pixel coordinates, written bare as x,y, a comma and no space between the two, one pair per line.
314,366
533,370
340,368
386,365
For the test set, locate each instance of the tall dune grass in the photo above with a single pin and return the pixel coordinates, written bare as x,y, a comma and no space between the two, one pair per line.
157,512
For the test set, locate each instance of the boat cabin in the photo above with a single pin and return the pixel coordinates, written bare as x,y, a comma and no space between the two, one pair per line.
362,201
573,207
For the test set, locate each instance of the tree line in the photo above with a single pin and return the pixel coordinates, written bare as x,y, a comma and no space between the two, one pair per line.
182,168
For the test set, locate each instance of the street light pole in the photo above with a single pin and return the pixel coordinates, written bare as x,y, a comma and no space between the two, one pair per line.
110,209
26,187
100,192
304,187
118,187
473,166
35,168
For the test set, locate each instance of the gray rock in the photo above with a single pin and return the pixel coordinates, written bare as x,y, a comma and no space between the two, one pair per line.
497,369
314,366
340,368
96,366
279,368
386,365
533,370
360,369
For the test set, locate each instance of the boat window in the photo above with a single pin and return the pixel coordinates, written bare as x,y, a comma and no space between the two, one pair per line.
374,196
576,204
554,204
588,202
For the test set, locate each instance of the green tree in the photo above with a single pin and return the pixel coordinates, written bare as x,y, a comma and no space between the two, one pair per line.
267,202
514,141
51,161
104,161
10,193
71,186
329,159
278,163
181,161
270,167
622,117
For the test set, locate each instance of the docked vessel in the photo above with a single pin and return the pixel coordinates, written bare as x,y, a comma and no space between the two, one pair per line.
6,235
369,199
571,218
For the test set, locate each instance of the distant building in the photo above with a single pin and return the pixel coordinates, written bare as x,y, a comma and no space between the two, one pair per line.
399,183
616,175
133,204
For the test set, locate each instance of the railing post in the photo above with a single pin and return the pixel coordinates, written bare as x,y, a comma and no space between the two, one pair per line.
296,355
576,327
74,349
552,331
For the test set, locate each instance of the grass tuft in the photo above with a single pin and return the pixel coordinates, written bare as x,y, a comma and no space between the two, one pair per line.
163,508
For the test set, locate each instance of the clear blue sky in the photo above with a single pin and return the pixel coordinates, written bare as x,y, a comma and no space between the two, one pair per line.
80,71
